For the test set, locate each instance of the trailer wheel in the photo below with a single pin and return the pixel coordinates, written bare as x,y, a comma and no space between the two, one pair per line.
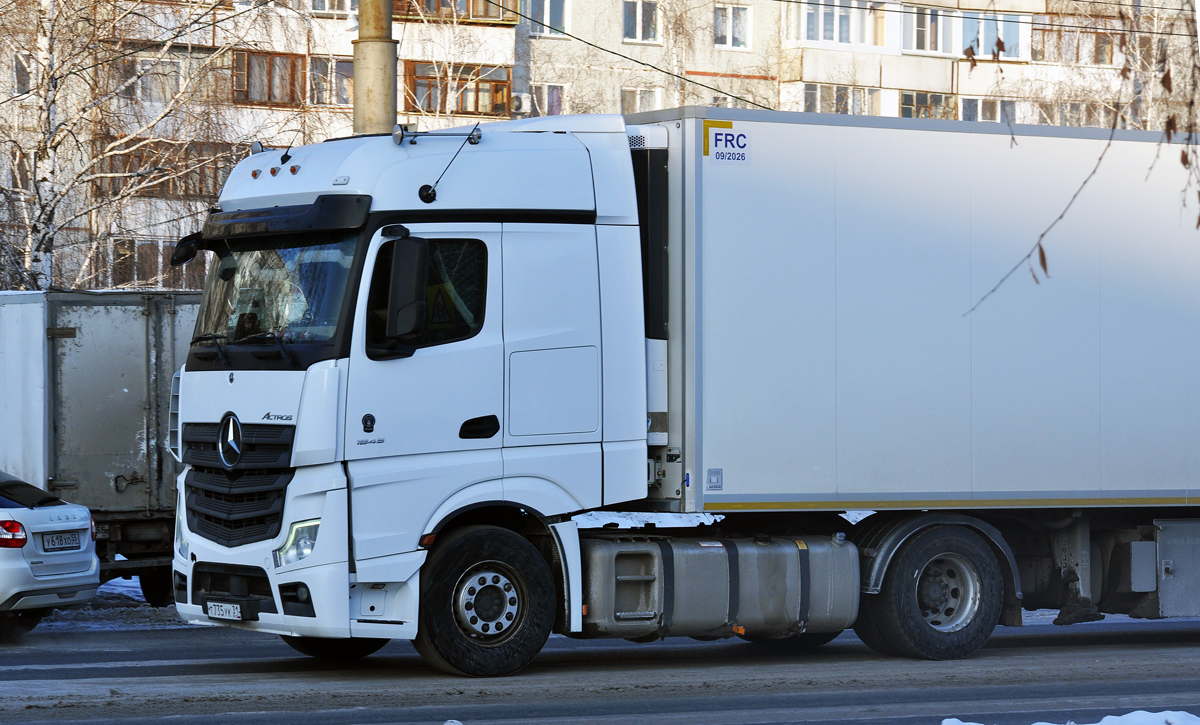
487,603
157,588
335,650
941,597
803,642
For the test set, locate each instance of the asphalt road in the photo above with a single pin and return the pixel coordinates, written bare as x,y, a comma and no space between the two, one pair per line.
206,675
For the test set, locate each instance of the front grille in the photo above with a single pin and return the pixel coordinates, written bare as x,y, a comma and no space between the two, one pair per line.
266,446
243,505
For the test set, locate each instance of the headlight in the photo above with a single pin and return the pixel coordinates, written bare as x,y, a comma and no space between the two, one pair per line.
301,539
180,543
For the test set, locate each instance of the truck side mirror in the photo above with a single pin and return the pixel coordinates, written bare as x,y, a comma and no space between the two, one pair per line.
186,249
406,296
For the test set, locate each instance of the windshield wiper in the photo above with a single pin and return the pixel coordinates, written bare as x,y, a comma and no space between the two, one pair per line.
215,339
270,335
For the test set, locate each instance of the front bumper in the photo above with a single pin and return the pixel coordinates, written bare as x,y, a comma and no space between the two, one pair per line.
249,570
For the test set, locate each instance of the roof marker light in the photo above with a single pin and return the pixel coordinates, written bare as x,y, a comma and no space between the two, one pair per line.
274,171
294,169
256,173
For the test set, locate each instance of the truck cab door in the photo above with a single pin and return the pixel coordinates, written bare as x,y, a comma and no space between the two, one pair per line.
424,413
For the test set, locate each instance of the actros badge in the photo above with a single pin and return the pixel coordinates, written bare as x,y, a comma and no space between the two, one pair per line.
229,442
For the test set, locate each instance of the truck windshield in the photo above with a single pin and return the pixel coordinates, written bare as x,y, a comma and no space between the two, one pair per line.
276,289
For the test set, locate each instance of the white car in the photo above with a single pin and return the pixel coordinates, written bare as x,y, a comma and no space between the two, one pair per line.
47,555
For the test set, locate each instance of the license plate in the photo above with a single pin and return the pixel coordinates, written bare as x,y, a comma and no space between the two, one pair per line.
60,541
225,610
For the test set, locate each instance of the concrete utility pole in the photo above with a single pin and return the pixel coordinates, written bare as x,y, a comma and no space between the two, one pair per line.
374,69
521,56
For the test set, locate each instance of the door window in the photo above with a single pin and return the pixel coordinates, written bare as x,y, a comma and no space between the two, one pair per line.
455,295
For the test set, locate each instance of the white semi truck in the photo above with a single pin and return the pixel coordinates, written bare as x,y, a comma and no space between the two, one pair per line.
617,377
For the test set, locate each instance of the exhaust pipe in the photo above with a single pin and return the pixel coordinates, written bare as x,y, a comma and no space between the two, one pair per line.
374,69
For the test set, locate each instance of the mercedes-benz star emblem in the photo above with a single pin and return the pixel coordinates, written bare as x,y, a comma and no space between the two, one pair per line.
229,445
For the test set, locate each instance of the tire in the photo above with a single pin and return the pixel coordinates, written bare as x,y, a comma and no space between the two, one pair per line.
941,597
157,588
487,603
15,624
866,626
803,642
335,650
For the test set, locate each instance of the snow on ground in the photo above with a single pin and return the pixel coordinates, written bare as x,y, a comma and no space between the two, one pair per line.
118,605
1141,717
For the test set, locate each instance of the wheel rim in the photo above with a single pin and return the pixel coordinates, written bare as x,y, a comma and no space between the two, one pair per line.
948,592
489,603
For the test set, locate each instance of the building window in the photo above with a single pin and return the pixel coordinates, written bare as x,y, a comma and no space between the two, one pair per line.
147,79
547,100
332,82
638,100
839,21
469,90
147,263
991,35
848,100
641,20
268,78
483,10
989,110
22,62
1054,43
163,170
548,16
334,6
731,26
928,29
914,104
21,171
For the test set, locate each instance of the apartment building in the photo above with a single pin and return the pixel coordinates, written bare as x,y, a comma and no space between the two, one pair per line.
1057,62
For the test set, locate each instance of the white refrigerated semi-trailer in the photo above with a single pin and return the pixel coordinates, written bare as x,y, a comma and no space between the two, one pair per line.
569,374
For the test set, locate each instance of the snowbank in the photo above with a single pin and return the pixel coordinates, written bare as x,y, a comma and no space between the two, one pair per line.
118,605
1141,717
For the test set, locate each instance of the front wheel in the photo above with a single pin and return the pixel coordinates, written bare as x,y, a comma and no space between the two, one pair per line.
335,650
940,599
487,603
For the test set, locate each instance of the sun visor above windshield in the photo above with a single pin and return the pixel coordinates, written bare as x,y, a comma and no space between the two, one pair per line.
328,213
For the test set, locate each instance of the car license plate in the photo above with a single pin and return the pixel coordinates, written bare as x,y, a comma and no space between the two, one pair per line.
224,610
60,541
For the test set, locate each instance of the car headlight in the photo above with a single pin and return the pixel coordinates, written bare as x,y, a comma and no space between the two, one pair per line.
301,539
181,544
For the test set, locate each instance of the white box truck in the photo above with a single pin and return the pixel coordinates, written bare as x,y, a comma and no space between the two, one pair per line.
619,377
85,394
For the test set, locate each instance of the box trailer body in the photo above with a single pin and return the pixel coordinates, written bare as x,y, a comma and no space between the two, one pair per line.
628,391
828,357
86,399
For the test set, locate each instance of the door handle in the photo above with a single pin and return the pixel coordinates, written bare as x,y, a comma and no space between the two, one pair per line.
484,427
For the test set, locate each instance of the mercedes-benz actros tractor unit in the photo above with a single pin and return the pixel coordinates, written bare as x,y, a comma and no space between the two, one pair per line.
635,378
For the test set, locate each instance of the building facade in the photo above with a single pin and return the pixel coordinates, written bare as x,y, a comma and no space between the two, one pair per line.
1025,61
